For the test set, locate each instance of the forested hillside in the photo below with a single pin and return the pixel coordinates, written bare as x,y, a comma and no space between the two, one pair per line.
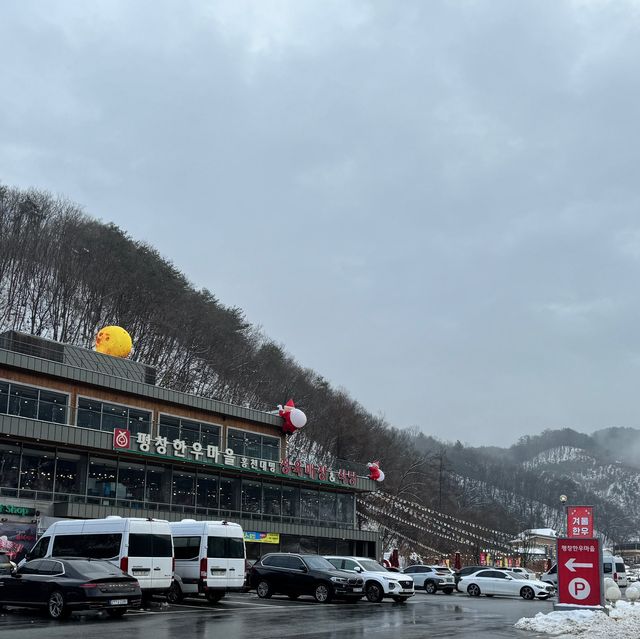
64,275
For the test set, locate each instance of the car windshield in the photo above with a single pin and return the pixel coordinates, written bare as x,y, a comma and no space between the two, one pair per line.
372,566
318,563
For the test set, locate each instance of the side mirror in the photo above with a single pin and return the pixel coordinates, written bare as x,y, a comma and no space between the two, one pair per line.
358,569
304,569
16,574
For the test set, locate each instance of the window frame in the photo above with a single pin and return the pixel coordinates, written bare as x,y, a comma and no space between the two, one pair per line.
67,405
253,432
104,401
160,414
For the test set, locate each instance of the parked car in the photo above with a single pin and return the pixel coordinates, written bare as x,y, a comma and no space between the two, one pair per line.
502,582
431,578
210,559
297,574
463,572
525,572
551,576
63,585
378,581
138,546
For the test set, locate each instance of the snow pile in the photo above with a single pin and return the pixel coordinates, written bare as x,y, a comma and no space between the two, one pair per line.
623,622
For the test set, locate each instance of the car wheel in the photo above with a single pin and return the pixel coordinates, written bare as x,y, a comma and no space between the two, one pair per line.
214,596
56,606
473,590
447,591
116,613
323,593
374,592
398,599
431,587
264,589
174,595
527,593
292,596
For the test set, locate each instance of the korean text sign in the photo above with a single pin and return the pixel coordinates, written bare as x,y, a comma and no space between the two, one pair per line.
580,521
580,572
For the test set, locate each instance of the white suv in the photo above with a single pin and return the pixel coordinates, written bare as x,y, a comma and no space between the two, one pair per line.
378,581
432,578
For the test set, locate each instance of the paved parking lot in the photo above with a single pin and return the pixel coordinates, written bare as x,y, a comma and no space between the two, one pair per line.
243,616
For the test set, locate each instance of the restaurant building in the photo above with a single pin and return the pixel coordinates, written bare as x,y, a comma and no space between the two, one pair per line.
85,435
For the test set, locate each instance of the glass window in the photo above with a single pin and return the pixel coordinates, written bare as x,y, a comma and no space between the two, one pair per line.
169,427
230,493
225,548
36,472
326,546
207,494
309,545
158,484
40,549
4,397
289,543
309,504
148,545
271,498
99,415
189,430
102,546
327,506
345,508
102,481
183,488
253,444
131,481
52,407
290,501
186,547
251,496
71,474
9,466
23,401
89,414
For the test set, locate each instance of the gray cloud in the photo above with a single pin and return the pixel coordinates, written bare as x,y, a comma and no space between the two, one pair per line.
434,205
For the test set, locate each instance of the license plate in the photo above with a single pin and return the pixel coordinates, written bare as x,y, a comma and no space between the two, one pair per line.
357,590
137,573
118,602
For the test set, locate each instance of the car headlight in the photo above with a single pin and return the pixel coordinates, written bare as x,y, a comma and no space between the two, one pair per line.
339,580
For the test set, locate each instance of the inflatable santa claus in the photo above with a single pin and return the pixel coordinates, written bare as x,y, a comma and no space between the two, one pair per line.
293,417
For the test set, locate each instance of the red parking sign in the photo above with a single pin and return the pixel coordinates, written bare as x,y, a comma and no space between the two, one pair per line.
580,521
579,572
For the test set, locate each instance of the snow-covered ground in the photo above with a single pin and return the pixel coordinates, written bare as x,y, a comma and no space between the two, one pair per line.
623,622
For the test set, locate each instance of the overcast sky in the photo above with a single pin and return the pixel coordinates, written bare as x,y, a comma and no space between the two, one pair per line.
435,205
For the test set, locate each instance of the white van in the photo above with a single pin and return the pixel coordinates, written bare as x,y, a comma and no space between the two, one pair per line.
210,559
615,569
141,547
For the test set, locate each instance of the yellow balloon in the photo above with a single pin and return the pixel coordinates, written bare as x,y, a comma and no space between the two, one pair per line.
114,340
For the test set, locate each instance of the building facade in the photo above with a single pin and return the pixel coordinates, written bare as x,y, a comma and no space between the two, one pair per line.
85,435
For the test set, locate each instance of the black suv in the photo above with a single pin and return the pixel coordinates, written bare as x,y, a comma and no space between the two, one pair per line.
294,575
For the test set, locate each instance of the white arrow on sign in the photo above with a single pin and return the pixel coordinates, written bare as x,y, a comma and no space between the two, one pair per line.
572,565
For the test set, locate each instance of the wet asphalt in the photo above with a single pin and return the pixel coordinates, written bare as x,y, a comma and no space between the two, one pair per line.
245,616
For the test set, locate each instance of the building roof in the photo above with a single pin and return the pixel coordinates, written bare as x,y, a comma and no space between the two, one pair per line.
115,380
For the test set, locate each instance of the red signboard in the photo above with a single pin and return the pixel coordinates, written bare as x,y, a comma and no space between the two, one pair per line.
579,572
121,438
580,521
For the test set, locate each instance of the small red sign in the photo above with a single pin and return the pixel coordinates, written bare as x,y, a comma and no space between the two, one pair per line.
121,438
579,572
580,521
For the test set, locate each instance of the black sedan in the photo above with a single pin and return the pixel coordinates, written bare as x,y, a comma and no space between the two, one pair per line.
63,585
